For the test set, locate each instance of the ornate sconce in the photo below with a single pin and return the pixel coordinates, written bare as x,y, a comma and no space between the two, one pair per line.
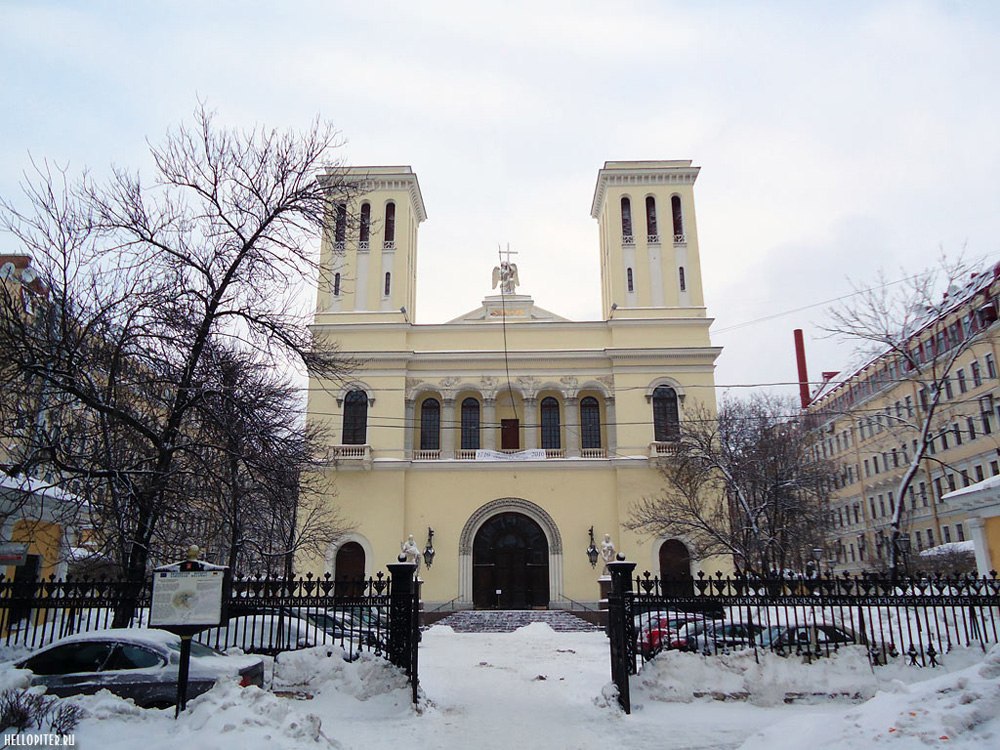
429,548
592,551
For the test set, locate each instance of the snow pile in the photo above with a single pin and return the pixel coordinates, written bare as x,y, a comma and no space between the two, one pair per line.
227,715
675,676
325,668
960,710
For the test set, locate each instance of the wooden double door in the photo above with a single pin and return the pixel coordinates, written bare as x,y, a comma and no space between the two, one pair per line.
510,564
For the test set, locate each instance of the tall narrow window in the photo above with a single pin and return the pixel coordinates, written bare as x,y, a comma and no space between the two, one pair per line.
430,425
388,280
366,222
675,205
550,424
626,217
590,423
680,278
390,222
628,273
470,424
666,418
355,418
336,285
340,227
651,230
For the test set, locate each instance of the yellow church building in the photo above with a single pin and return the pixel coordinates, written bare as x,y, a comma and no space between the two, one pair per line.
510,440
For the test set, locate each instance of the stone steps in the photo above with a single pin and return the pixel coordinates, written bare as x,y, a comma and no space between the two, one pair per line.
509,620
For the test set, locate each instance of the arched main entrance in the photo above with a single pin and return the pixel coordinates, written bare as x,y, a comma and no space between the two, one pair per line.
675,568
510,564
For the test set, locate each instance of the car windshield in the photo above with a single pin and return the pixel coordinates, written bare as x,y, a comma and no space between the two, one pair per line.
768,636
197,649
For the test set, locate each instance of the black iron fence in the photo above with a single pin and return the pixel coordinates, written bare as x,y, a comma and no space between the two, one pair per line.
917,620
265,615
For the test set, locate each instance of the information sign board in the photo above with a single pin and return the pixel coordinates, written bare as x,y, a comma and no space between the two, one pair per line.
187,597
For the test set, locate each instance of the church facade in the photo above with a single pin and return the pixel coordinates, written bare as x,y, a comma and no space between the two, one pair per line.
510,440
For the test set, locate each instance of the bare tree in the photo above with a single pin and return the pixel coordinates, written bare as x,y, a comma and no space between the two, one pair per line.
745,483
141,281
916,330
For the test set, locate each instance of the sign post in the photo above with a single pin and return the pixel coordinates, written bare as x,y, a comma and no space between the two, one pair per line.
187,598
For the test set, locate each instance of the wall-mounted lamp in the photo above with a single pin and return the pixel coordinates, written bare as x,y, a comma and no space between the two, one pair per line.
592,551
429,548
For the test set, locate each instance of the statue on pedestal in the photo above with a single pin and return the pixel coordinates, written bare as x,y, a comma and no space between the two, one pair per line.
412,552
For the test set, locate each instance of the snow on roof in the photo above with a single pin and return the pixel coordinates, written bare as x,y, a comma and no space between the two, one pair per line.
993,483
949,548
33,486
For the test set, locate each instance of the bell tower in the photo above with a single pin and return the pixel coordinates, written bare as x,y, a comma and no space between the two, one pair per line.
650,264
369,258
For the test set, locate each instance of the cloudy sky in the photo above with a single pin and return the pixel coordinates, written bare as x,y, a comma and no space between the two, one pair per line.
834,138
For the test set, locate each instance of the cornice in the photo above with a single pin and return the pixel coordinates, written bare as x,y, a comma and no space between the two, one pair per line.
418,329
401,178
640,174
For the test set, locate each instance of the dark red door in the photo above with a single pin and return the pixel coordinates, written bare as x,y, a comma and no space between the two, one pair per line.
510,564
510,438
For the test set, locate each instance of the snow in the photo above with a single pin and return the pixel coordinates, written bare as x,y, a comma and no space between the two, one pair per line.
538,688
949,548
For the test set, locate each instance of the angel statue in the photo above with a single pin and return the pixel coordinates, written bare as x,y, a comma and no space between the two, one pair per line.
412,552
506,275
607,551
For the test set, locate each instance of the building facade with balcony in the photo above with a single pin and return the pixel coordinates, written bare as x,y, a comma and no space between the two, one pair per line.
869,422
510,431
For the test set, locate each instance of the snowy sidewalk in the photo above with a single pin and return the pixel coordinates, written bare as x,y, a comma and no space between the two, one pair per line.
537,688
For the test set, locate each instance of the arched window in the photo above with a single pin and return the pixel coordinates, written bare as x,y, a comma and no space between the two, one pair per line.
651,229
628,273
550,424
666,419
340,227
355,418
680,278
675,205
590,423
626,217
388,279
336,285
366,222
430,425
470,424
390,222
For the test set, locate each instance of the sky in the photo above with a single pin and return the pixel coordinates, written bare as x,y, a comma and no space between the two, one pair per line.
536,688
834,139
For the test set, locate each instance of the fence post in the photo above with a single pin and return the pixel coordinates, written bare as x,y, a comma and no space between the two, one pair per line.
403,618
620,629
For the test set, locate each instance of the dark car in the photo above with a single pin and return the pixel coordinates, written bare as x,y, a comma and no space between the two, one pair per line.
821,639
135,663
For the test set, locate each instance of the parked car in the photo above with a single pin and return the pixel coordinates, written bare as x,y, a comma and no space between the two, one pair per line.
661,632
266,634
820,637
136,663
715,637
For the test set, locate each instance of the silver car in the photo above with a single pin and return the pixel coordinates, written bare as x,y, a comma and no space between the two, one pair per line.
135,663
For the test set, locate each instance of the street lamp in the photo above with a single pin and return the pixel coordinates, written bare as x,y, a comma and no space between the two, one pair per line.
903,549
592,552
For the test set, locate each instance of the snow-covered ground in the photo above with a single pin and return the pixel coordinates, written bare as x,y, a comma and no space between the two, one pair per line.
538,688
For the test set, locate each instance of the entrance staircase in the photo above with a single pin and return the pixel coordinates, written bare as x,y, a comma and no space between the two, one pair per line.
509,620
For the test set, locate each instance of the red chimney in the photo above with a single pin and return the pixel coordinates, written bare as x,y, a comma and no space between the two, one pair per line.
800,359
